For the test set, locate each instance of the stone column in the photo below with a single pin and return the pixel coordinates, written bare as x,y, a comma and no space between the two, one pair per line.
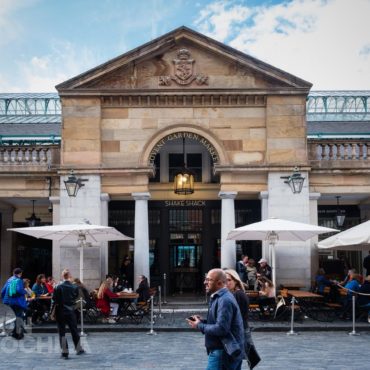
264,197
293,259
6,242
228,248
86,206
141,252
104,199
55,201
365,216
314,220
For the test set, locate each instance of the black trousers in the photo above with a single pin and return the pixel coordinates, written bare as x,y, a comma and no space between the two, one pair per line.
69,319
18,331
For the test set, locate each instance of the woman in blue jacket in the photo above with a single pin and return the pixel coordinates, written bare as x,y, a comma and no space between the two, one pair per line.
13,294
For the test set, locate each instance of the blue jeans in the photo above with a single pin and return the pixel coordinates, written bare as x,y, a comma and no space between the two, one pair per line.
215,359
18,331
219,360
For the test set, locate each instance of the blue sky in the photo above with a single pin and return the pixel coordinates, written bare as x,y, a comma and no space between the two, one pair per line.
45,42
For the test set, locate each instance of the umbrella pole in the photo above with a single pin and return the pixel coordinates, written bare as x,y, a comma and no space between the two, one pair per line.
81,262
272,246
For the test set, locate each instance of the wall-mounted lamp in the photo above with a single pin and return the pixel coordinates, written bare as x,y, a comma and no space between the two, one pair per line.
295,181
33,220
340,216
73,184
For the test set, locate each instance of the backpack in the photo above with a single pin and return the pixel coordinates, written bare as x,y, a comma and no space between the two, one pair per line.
12,288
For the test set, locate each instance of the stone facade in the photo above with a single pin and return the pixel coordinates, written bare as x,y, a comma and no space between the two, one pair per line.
249,117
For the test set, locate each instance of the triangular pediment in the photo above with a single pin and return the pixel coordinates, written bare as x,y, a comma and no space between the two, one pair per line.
184,59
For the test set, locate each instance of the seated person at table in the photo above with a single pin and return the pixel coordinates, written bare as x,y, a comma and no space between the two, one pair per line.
266,294
50,284
364,300
352,286
322,282
41,306
30,296
251,274
82,293
117,285
104,300
39,287
264,269
143,289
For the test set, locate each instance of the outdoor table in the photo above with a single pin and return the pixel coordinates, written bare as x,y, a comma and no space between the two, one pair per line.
127,307
312,305
303,294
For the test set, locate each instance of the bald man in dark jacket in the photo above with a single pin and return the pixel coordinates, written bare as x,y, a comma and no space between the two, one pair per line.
64,297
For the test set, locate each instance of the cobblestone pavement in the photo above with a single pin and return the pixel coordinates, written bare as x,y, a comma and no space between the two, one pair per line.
185,350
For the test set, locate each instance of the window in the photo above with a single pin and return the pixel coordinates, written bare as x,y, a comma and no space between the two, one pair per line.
193,162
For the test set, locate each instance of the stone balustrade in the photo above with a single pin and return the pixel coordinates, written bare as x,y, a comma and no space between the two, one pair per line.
29,155
335,150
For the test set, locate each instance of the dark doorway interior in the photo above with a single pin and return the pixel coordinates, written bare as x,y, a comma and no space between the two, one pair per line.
184,239
33,255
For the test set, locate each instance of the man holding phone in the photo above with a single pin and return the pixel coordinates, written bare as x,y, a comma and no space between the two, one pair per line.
223,329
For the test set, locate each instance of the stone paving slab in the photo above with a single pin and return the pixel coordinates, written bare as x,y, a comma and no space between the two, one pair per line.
174,320
185,351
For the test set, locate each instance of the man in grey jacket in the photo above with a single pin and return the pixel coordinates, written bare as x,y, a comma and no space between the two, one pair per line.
223,329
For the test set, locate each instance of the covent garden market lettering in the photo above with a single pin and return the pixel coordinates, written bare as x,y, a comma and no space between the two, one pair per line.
186,135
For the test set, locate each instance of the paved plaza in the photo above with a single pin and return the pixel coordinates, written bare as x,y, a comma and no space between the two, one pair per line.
185,350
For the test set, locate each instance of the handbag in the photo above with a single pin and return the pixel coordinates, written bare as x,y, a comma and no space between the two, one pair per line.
251,354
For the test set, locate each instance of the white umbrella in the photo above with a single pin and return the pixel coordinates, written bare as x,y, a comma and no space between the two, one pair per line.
274,229
355,238
85,234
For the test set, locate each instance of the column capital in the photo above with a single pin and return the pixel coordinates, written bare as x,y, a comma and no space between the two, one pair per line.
227,194
141,196
315,196
263,195
104,197
54,200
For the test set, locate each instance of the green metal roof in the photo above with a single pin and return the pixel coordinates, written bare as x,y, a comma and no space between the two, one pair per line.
340,113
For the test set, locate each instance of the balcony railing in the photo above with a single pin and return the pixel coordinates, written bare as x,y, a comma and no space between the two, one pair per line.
339,150
44,156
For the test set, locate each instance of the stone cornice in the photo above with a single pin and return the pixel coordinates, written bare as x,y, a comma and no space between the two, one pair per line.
261,168
184,100
107,171
107,93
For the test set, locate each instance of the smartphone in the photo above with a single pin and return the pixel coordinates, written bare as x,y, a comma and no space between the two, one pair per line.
191,318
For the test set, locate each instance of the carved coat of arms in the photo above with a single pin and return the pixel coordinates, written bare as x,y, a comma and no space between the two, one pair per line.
184,71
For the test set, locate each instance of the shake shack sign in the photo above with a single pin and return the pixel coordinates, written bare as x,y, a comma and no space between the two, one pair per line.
188,136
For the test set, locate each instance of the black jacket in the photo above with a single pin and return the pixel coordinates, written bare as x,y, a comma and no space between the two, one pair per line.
143,291
64,296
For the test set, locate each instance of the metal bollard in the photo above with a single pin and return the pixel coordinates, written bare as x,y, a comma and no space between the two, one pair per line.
3,332
353,332
164,288
151,332
292,332
82,334
160,301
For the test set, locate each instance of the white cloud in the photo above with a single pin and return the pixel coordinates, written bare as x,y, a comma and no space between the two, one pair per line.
324,42
219,18
10,28
42,73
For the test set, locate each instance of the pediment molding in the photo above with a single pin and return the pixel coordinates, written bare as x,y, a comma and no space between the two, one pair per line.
180,69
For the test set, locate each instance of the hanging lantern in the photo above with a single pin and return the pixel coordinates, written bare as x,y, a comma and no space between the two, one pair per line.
184,179
33,220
